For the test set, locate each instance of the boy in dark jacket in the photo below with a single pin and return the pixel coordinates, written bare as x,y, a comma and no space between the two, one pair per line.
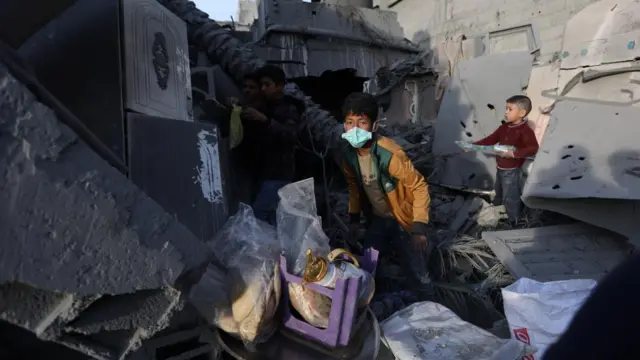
514,132
278,126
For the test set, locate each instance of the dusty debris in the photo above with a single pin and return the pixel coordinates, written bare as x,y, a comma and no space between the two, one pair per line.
111,240
490,215
561,252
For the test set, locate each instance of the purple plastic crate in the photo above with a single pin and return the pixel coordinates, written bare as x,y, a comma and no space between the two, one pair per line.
343,304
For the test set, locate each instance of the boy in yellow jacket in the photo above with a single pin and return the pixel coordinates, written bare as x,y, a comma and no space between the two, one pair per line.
385,186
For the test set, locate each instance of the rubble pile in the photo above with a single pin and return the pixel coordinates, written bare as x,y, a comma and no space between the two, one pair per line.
99,276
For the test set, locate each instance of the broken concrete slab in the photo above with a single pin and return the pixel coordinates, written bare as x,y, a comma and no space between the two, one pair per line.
579,175
69,221
466,212
472,108
106,345
31,308
562,252
148,309
603,32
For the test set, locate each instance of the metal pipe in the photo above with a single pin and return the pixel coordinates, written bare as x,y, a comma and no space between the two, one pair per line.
308,31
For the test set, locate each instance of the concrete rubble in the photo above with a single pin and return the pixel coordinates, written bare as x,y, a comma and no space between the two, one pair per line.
102,277
561,252
99,276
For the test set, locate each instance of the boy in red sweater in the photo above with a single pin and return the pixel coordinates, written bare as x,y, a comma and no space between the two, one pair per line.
515,131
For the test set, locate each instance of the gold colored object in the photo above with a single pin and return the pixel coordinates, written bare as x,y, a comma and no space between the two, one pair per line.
316,268
337,252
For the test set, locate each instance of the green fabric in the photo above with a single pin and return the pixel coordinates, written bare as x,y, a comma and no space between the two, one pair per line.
381,158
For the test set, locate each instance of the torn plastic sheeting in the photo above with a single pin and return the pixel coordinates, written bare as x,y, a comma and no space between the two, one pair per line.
428,330
471,110
299,228
579,175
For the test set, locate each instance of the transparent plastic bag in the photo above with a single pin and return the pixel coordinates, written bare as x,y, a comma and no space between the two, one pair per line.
242,295
299,229
299,226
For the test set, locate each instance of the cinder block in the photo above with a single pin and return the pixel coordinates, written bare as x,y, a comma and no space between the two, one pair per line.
80,224
30,308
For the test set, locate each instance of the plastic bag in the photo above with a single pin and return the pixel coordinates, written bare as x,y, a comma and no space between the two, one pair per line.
299,229
242,295
428,330
538,313
236,131
299,226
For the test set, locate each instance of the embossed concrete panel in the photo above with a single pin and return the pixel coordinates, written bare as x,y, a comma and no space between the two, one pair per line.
577,251
156,60
472,108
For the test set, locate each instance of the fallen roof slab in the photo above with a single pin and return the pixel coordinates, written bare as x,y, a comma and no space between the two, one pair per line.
588,166
472,108
562,252
70,222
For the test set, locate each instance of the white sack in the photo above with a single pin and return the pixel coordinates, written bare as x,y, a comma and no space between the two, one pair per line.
538,313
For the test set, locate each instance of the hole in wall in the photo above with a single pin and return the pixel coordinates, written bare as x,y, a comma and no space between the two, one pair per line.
555,187
566,156
468,134
475,121
491,107
576,177
617,113
570,147
472,176
463,124
581,158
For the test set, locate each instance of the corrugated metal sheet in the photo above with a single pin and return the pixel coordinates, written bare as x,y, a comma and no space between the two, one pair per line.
311,57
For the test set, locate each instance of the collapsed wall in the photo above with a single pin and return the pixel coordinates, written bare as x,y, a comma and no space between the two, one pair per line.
237,59
86,258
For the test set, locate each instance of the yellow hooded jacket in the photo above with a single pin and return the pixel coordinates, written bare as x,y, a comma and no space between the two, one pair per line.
406,190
